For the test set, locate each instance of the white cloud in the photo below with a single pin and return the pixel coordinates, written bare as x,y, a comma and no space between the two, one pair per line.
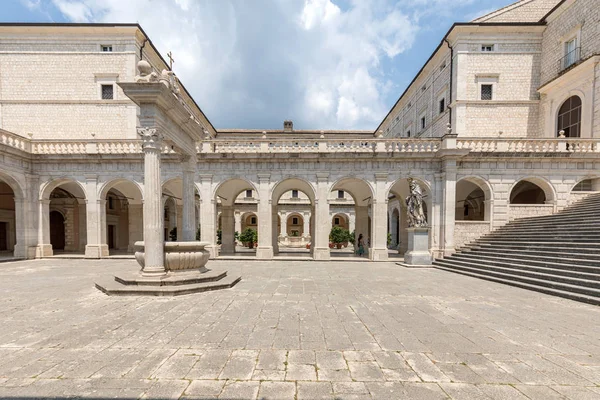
253,64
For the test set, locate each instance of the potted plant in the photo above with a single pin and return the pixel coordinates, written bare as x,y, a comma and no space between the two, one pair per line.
173,235
338,236
249,236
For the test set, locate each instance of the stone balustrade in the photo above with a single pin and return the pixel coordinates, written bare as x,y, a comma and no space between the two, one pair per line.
261,146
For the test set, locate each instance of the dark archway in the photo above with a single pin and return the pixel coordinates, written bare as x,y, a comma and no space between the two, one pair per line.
526,192
57,230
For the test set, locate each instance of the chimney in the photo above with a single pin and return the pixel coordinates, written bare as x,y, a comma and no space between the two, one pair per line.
288,126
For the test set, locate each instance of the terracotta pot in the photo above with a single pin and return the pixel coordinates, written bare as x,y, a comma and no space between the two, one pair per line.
338,245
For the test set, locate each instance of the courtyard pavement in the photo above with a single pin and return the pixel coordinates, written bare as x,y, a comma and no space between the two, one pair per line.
292,330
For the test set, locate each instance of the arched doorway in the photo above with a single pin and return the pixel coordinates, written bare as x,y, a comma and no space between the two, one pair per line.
531,197
358,198
473,199
123,215
68,198
394,229
293,202
233,198
8,237
57,230
569,117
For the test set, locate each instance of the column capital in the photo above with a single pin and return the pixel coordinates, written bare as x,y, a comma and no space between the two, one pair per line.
322,176
381,176
264,178
205,178
151,138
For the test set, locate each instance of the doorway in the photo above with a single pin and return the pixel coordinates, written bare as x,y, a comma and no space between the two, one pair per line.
3,236
111,237
57,230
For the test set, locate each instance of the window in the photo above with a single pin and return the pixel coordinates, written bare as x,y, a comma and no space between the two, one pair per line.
569,117
249,193
486,92
111,204
107,48
408,133
487,47
107,92
571,53
422,122
442,105
336,221
253,221
294,194
340,194
295,221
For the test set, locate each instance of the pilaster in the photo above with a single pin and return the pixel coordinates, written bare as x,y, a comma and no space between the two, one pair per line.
264,251
322,221
379,250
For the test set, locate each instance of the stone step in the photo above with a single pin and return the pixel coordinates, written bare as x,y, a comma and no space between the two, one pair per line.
591,273
567,222
546,248
557,217
114,288
543,289
533,240
175,279
547,280
573,259
554,228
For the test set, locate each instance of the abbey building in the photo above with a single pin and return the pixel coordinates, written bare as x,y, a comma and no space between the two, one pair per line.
502,122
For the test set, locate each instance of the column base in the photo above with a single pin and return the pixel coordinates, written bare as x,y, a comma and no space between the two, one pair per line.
227,249
378,255
213,251
96,251
264,252
449,251
320,253
153,271
21,251
43,250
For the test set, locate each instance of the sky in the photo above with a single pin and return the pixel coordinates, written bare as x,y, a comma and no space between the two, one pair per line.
325,64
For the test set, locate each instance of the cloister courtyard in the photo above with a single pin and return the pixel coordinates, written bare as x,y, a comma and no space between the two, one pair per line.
292,329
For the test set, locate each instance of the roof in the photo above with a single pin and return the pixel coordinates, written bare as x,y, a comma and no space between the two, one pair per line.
521,11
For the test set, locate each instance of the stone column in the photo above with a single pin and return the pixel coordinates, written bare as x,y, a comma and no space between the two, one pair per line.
306,226
351,222
29,217
437,215
238,221
283,228
322,221
208,229
188,222
44,248
264,251
154,236
227,237
362,223
95,218
379,250
274,228
136,225
449,206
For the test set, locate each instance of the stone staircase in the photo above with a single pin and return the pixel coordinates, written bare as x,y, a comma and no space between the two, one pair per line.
556,254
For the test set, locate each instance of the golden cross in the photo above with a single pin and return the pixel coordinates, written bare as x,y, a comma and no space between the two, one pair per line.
171,60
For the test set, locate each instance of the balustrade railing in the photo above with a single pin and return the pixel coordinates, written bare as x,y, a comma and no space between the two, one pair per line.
261,146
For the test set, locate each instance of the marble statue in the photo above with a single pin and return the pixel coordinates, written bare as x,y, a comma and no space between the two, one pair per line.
414,206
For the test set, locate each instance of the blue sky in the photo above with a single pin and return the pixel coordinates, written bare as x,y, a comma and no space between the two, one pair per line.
325,64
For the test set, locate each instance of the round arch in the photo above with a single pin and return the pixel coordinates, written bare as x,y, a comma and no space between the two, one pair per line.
293,183
13,183
228,190
473,195
69,184
594,183
130,189
549,193
359,189
342,216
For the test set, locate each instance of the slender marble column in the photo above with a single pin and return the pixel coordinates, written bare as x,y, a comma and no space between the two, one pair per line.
44,247
283,228
449,206
379,210
189,200
306,227
154,236
322,220
264,251
208,211
227,236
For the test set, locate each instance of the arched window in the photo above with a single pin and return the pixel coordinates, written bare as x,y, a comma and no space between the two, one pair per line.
569,117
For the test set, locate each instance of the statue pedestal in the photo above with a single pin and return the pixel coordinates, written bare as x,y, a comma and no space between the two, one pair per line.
418,253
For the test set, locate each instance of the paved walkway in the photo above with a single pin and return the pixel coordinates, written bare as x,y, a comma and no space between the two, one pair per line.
306,329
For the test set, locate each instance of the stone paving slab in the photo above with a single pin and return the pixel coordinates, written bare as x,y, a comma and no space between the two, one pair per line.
292,330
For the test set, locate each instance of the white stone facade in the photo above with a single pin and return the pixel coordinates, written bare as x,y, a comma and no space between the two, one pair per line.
76,174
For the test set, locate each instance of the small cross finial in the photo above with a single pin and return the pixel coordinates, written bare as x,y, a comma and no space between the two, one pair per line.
171,60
